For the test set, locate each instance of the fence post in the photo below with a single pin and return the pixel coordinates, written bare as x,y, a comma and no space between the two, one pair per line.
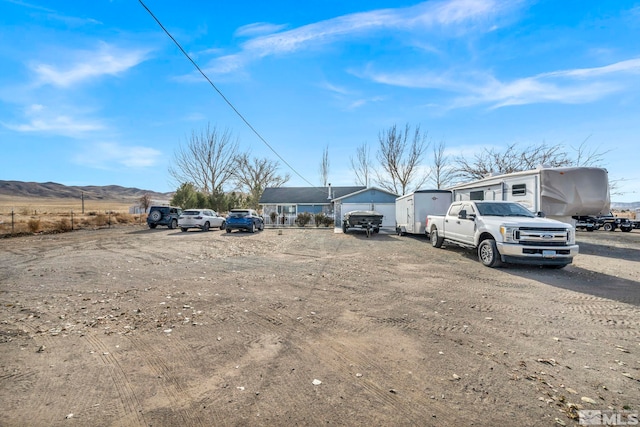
12,222
71,219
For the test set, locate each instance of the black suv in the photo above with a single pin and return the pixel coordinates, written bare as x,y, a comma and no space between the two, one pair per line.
163,215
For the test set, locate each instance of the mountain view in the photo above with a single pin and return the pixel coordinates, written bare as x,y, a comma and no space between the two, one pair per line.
89,192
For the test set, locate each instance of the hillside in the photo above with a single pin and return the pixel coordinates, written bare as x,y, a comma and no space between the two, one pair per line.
90,192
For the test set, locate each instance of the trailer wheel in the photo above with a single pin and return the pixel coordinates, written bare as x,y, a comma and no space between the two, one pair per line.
436,241
488,253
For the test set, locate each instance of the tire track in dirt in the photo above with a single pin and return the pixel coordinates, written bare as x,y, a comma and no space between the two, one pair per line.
181,399
129,402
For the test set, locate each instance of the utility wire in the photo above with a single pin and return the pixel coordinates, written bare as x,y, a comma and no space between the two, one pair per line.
222,95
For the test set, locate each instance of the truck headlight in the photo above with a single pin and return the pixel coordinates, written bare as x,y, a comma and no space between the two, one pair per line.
509,234
571,237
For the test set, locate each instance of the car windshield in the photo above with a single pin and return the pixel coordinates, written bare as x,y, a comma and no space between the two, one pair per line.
503,209
194,213
239,214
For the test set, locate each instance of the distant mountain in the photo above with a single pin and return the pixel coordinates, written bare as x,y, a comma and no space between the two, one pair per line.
90,192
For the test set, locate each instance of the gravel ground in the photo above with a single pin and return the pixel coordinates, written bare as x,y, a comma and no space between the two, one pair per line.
135,327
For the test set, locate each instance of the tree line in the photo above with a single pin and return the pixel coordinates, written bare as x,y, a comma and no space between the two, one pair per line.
404,160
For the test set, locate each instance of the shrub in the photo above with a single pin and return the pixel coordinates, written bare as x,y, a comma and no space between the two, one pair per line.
328,221
101,220
274,216
34,225
319,219
303,219
125,218
63,225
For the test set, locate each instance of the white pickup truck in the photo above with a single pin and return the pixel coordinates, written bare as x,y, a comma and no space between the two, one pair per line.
504,232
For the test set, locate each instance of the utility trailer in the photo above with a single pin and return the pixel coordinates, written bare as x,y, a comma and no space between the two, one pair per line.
412,209
567,194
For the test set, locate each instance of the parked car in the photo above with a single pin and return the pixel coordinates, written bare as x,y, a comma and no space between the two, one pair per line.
244,219
163,215
204,219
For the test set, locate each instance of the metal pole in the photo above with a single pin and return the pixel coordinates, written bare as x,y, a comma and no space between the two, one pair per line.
82,203
71,219
12,222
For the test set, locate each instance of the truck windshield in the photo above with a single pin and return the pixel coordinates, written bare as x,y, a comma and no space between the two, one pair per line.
503,209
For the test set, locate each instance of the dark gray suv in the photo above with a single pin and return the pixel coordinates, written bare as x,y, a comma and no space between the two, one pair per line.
163,215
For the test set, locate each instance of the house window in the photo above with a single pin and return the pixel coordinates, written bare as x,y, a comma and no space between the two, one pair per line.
519,189
476,195
287,209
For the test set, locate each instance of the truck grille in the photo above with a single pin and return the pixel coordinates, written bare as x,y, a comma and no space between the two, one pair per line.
543,236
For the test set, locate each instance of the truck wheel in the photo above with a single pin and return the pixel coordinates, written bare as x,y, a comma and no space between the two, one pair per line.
488,253
436,241
174,224
607,227
344,227
625,229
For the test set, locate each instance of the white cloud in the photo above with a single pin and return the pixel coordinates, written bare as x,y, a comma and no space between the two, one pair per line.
258,28
111,155
40,119
580,85
462,14
86,65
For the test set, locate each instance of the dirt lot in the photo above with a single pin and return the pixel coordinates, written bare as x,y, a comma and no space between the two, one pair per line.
137,327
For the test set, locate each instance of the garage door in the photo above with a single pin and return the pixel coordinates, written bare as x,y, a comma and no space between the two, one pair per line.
386,209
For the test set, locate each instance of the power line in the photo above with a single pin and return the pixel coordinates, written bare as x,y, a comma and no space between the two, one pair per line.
222,95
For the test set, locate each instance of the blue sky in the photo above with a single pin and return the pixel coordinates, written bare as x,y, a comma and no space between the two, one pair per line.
94,93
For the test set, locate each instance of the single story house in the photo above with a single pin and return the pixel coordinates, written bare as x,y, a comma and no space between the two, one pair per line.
288,202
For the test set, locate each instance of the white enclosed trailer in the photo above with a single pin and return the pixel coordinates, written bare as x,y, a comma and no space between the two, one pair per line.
559,193
412,209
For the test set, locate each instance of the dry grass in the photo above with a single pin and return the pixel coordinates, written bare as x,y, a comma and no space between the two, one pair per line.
35,215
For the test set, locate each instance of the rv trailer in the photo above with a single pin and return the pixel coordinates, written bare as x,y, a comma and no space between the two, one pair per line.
559,193
412,209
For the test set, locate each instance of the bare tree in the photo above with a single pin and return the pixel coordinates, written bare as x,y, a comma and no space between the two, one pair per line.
253,175
145,202
512,159
588,157
443,173
324,167
361,165
400,159
206,161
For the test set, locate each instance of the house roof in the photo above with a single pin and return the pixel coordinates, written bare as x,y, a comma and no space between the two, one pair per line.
364,190
305,195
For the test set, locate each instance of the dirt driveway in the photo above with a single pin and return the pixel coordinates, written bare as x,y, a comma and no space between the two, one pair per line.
138,327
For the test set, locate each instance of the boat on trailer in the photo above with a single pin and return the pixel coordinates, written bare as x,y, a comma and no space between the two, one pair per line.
370,221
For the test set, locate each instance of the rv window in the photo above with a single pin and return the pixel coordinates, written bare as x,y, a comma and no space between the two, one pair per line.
476,195
519,189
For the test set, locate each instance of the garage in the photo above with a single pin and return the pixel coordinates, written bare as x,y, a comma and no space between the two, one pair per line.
369,199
